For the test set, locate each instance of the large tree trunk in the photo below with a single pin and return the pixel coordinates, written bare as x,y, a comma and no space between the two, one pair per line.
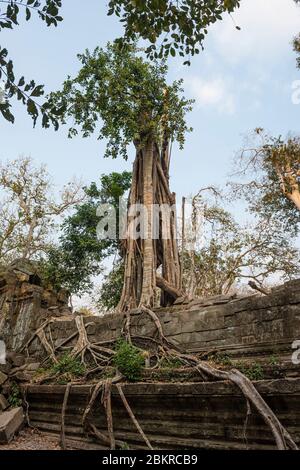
145,255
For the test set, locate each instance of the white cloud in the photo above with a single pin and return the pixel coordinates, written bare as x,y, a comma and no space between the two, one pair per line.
267,29
214,93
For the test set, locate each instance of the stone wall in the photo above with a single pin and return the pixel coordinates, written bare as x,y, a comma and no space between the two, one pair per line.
173,416
248,326
25,304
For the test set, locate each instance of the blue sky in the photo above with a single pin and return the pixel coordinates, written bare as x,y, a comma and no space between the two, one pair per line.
242,80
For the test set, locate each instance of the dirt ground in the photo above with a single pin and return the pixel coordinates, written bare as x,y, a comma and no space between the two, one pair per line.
31,439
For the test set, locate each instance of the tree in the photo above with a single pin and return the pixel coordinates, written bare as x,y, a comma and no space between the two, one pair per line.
79,254
107,296
48,11
228,254
181,26
135,105
28,210
271,167
297,49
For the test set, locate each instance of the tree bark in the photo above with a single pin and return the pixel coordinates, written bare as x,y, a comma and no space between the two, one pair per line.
145,255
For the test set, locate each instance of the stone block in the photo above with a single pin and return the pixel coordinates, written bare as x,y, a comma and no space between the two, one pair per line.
32,367
10,423
3,378
3,403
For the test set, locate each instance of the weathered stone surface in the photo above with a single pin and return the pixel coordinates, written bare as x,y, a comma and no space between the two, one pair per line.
3,403
205,415
3,378
32,367
10,423
25,304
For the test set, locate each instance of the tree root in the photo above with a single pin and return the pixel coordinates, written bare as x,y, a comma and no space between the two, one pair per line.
102,355
132,416
63,414
282,438
106,401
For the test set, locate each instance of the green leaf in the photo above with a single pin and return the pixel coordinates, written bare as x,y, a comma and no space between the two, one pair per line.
38,91
28,14
5,111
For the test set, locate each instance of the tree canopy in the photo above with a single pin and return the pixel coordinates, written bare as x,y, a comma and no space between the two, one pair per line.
25,91
122,98
269,168
29,210
183,26
229,253
169,27
78,255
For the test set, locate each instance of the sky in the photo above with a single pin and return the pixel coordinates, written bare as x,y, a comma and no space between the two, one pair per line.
242,80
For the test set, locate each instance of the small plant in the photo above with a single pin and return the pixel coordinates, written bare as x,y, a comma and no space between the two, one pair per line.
15,398
129,360
69,365
274,360
223,359
171,363
124,446
252,371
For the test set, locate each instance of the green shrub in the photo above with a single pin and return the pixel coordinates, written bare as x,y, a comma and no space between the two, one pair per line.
15,398
252,371
69,365
171,363
223,359
128,360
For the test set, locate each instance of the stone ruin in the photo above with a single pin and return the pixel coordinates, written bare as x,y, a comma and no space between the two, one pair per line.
24,306
180,413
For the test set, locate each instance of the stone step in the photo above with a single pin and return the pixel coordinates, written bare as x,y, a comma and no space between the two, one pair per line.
10,423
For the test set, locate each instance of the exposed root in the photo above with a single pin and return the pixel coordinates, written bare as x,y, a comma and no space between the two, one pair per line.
42,337
63,414
106,401
282,438
133,418
248,414
164,349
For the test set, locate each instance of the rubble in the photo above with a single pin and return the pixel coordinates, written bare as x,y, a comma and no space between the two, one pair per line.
10,423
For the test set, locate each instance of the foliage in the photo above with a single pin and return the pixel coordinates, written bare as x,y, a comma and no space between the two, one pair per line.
79,254
129,360
252,371
68,365
129,96
297,49
15,397
108,295
25,92
223,359
171,27
171,363
28,210
271,167
229,253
